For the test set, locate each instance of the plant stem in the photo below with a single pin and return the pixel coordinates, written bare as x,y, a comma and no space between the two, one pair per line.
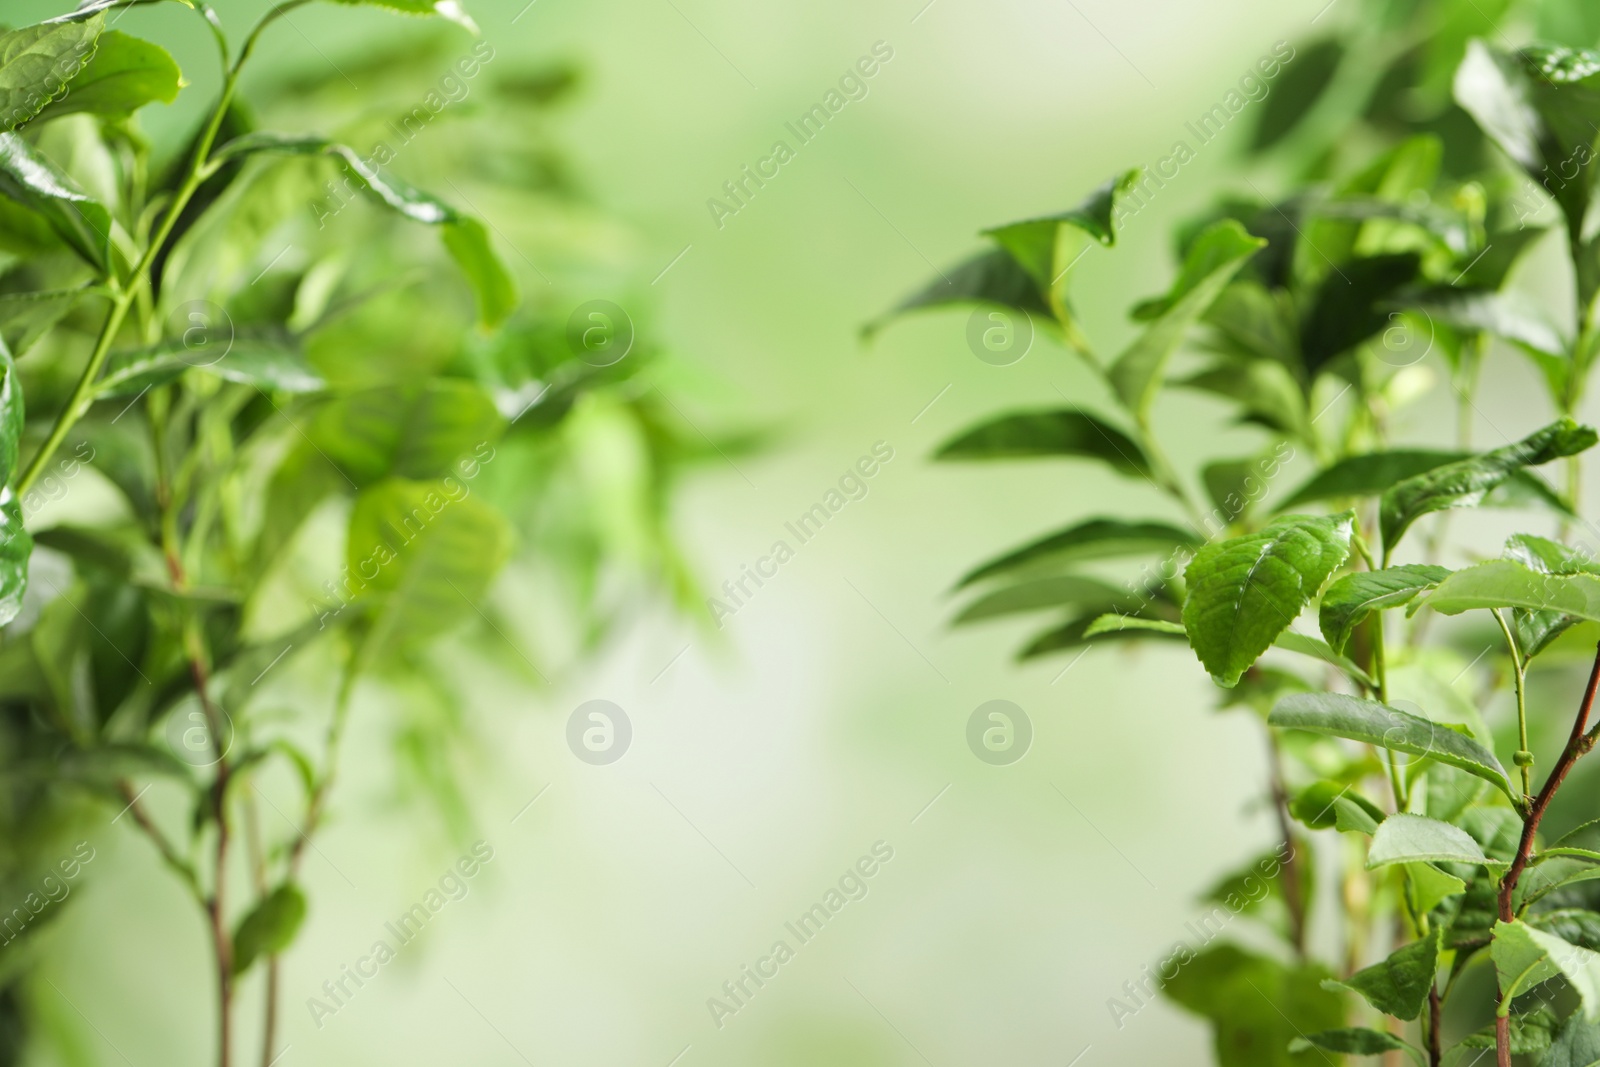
1519,679
1292,889
1578,743
1434,1053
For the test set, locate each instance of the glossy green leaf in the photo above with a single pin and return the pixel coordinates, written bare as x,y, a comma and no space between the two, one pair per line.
1539,105
1349,601
1355,1041
1211,263
12,417
1088,540
1576,1044
1466,482
1400,731
1407,838
37,184
465,237
38,62
1034,434
1246,591
423,555
270,927
272,363
16,546
1504,583
1525,957
125,74
1256,1006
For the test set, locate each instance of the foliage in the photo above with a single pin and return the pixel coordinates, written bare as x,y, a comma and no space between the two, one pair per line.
1424,148
260,436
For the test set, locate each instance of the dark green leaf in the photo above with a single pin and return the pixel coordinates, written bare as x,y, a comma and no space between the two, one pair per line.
1349,601
1400,731
1466,482
124,75
1577,926
37,62
410,432
1031,434
1506,315
1040,593
1530,1034
1576,1045
1246,591
270,927
31,180
1090,539
1046,247
1525,957
1351,305
1296,91
992,277
1317,805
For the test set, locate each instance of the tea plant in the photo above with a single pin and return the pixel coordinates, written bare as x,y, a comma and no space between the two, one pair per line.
1468,922
260,446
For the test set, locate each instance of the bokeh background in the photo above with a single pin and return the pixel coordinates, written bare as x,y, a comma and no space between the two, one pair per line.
830,712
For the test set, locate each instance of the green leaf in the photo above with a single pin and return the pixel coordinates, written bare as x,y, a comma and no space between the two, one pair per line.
26,317
1256,1006
1530,1034
1577,926
1088,540
12,418
992,277
31,180
16,546
1504,583
1577,1044
1307,645
1352,598
1400,731
1266,392
1041,593
125,74
268,362
1506,315
1246,591
1317,805
1539,105
1031,434
418,432
1465,483
1211,263
464,236
1367,475
1113,623
270,927
37,63
1407,838
446,9
1355,1041
1525,957
1296,91
1431,886
1351,305
1535,630
423,555
1047,247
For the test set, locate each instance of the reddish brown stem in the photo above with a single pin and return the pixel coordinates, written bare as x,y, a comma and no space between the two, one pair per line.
1291,867
1434,1053
1577,744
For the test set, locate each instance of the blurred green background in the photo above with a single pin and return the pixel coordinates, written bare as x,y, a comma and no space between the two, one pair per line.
830,712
